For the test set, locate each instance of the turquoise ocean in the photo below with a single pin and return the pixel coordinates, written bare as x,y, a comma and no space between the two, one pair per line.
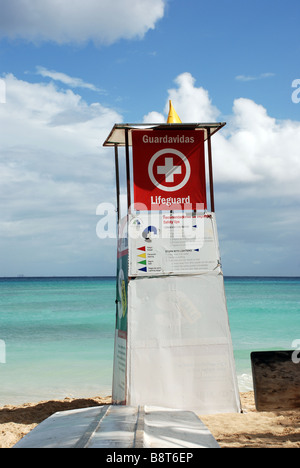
58,333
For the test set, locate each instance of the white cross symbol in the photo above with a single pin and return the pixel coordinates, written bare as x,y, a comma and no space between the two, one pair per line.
169,170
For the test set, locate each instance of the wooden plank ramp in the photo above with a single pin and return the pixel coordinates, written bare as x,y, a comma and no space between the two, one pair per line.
120,427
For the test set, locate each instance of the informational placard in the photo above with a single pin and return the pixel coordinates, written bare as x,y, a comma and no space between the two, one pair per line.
170,244
168,169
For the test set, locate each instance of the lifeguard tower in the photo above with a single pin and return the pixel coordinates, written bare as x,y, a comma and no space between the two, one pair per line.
173,344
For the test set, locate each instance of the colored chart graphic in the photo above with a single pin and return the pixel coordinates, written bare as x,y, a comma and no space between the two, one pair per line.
142,259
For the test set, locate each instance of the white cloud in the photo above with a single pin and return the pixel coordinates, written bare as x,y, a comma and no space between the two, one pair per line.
103,21
66,79
254,78
192,104
154,117
257,149
53,174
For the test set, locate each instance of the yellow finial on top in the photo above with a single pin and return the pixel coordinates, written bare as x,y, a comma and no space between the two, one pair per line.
173,116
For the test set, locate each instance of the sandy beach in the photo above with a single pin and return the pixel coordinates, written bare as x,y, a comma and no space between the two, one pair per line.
248,430
254,429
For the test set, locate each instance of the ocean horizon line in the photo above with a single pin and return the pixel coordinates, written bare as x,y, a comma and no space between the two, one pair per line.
25,277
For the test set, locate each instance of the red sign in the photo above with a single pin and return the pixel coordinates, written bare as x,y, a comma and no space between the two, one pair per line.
168,169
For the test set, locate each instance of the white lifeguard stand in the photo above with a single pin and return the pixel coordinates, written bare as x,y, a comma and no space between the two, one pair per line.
173,344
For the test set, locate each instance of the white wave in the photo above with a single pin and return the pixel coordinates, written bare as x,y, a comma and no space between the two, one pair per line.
245,382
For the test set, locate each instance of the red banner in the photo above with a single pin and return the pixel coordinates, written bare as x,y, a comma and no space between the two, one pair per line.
168,169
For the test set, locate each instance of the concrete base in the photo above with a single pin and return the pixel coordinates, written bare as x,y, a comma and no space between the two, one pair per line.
120,427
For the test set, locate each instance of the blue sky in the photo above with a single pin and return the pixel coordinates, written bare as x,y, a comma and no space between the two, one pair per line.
72,70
